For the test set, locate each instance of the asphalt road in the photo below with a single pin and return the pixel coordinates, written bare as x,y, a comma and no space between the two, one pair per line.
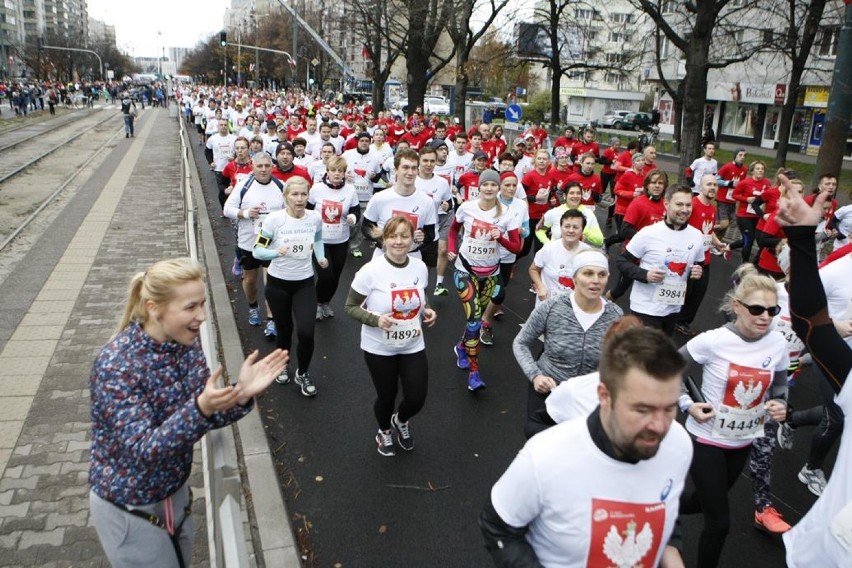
351,507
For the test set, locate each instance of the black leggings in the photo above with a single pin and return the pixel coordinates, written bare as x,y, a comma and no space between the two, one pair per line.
329,278
748,230
714,471
531,243
388,372
505,275
288,299
830,426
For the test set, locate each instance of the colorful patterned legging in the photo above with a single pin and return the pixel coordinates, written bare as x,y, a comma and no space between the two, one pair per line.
475,292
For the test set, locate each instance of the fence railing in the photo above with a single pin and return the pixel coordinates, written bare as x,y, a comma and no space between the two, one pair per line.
222,484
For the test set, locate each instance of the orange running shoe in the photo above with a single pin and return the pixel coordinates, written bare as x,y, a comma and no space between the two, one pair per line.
771,521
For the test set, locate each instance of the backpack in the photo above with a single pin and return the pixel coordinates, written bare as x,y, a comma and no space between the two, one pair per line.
248,183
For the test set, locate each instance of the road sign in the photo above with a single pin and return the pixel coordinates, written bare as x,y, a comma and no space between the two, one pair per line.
514,113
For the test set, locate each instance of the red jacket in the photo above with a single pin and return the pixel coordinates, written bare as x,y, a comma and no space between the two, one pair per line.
730,174
625,190
749,187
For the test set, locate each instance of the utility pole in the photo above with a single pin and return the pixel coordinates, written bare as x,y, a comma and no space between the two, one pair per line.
833,145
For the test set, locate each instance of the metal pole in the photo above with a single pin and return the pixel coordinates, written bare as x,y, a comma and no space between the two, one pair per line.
832,147
296,45
256,53
239,50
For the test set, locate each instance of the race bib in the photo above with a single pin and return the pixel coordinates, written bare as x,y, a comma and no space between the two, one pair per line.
740,415
300,245
708,242
258,223
794,344
403,333
480,250
735,424
472,192
670,293
730,195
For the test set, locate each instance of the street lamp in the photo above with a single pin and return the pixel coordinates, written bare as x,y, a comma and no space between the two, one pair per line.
254,18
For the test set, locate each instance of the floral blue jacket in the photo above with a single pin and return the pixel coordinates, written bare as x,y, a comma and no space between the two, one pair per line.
144,416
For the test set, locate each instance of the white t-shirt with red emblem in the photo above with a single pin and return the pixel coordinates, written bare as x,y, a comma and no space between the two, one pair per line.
479,250
658,246
333,206
399,291
736,378
584,508
555,263
387,204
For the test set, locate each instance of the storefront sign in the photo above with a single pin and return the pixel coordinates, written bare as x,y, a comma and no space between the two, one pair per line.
572,92
816,97
780,94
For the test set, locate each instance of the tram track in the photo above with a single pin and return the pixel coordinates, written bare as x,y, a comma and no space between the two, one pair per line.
17,167
41,128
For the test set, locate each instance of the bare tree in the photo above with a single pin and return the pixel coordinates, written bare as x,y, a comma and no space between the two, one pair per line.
567,36
384,39
796,42
730,29
465,34
427,20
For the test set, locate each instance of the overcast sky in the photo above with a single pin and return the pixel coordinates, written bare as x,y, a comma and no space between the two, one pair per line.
182,22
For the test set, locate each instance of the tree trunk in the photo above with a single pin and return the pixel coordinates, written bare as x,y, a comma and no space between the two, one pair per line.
694,95
462,81
554,94
677,123
786,119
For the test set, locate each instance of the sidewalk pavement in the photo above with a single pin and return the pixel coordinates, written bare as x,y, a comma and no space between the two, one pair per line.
59,307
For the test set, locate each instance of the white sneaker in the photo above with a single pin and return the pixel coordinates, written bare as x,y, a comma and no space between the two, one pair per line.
814,479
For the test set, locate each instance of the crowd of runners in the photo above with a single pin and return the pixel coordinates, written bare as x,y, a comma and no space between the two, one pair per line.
438,207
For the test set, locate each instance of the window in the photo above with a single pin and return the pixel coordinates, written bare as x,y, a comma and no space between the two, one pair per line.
826,41
617,37
577,75
739,119
614,78
768,35
584,14
615,58
622,18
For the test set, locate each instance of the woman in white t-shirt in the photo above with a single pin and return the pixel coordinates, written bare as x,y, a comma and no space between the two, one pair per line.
388,296
487,224
287,238
551,266
744,379
337,203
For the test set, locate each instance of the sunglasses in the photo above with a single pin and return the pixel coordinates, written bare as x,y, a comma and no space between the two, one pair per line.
757,310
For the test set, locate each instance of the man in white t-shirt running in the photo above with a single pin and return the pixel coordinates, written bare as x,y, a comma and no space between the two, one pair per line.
660,259
601,490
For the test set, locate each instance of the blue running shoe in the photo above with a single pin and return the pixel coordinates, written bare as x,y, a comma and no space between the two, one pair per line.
474,382
254,316
270,330
462,362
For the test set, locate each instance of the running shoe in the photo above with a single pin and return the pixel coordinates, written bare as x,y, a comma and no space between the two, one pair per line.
358,254
486,335
440,290
785,436
462,362
684,329
499,313
771,521
284,377
254,316
403,434
814,479
304,381
474,381
384,440
270,330
327,312
236,269
319,313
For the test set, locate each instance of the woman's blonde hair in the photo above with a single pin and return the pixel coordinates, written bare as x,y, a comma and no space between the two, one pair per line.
751,281
294,181
157,284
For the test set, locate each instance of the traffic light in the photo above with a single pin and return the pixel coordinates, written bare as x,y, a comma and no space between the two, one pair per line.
223,38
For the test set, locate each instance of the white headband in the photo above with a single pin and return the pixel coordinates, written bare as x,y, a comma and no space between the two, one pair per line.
585,258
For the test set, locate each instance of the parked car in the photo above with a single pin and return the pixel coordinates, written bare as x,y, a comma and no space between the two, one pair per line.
438,105
636,121
610,118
